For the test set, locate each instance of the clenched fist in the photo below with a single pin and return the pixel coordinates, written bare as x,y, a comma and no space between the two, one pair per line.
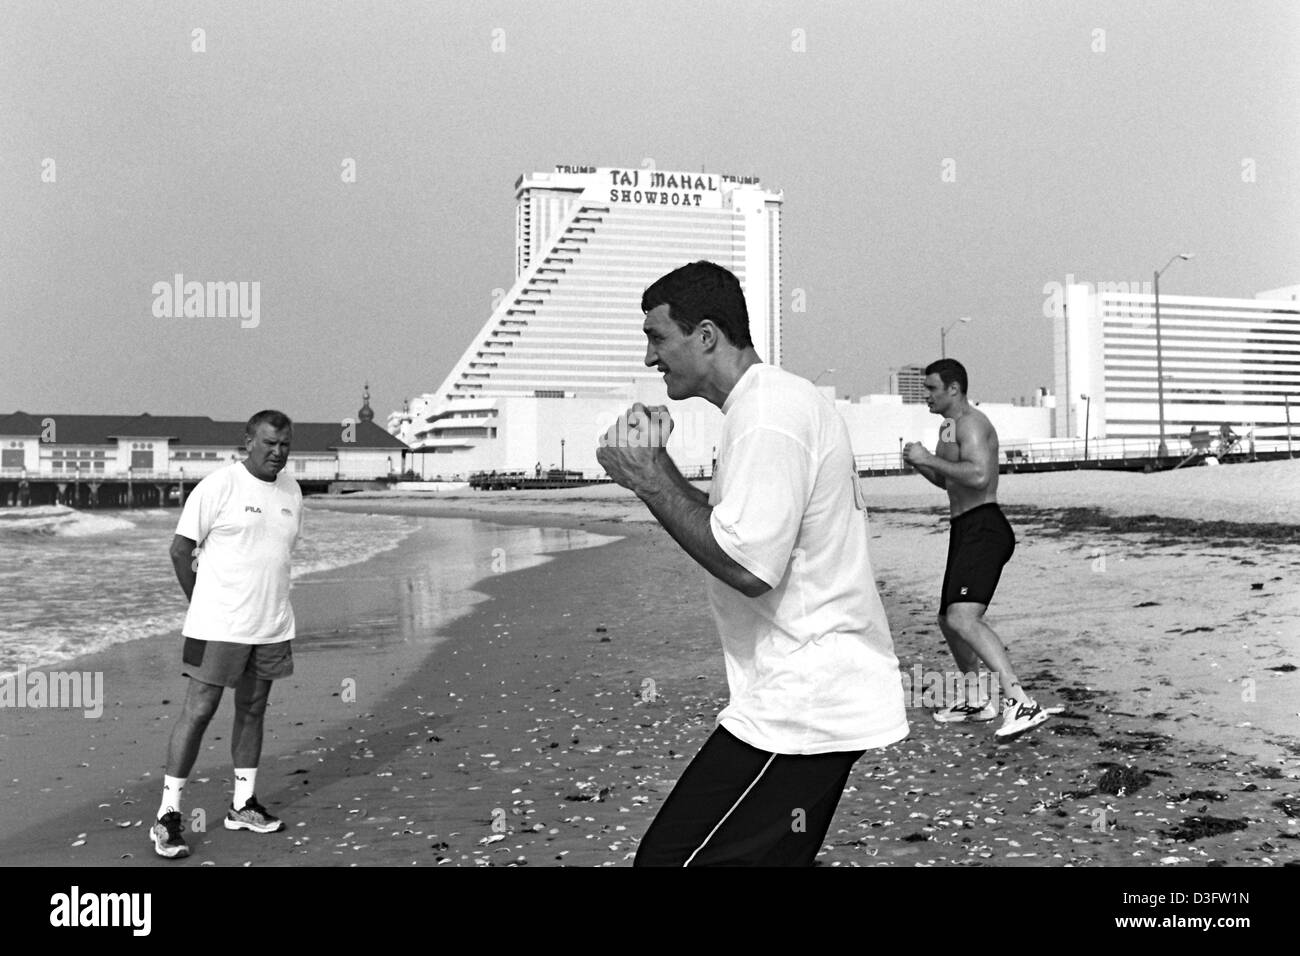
640,427
630,449
914,453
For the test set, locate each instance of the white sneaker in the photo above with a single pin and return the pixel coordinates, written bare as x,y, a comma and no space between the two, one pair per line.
1019,716
253,817
166,836
962,712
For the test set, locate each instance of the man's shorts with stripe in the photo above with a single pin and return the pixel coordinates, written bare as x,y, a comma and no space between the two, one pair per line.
736,805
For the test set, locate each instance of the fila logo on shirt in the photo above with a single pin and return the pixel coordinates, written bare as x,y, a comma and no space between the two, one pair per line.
251,508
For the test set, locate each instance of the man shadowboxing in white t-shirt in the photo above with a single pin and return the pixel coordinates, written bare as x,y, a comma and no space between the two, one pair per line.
811,669
247,516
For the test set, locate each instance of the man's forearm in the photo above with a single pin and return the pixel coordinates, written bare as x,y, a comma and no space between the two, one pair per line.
185,574
698,495
684,512
965,473
931,476
183,562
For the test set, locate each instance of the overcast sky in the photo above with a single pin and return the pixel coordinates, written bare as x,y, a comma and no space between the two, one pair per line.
1092,138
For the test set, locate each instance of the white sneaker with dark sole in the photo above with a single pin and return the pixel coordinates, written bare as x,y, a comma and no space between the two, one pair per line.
963,713
253,817
166,836
1019,716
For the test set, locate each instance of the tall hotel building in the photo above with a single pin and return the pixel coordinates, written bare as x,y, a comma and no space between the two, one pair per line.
567,334
909,382
1226,361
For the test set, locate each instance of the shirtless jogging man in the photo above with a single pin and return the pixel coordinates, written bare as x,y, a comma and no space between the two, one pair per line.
981,542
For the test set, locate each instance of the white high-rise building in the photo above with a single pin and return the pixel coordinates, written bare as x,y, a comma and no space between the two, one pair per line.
909,382
588,241
1233,362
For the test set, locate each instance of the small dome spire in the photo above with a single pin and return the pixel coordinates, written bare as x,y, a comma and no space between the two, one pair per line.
366,414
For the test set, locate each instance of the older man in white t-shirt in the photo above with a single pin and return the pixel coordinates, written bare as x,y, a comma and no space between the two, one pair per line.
783,534
243,520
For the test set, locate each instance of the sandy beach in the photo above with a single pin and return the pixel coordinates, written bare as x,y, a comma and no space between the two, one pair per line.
546,724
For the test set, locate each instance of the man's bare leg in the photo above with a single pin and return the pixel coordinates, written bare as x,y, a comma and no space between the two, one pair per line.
246,751
182,749
201,701
973,687
967,660
250,709
965,621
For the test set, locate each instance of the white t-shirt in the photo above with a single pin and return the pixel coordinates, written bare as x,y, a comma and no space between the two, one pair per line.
246,528
810,663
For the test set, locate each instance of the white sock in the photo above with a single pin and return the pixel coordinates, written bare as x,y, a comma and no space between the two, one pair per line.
1019,695
244,782
171,798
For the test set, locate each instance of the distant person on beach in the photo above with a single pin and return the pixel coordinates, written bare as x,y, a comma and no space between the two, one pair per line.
813,679
1227,438
980,543
247,516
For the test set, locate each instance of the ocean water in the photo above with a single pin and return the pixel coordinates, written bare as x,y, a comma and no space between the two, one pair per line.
409,595
73,583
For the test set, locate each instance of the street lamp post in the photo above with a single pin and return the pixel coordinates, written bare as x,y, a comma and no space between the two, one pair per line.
1087,416
902,464
821,373
1286,402
943,335
1163,449
561,459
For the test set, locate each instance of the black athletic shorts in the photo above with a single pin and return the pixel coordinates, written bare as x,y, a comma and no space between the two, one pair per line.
980,543
736,805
